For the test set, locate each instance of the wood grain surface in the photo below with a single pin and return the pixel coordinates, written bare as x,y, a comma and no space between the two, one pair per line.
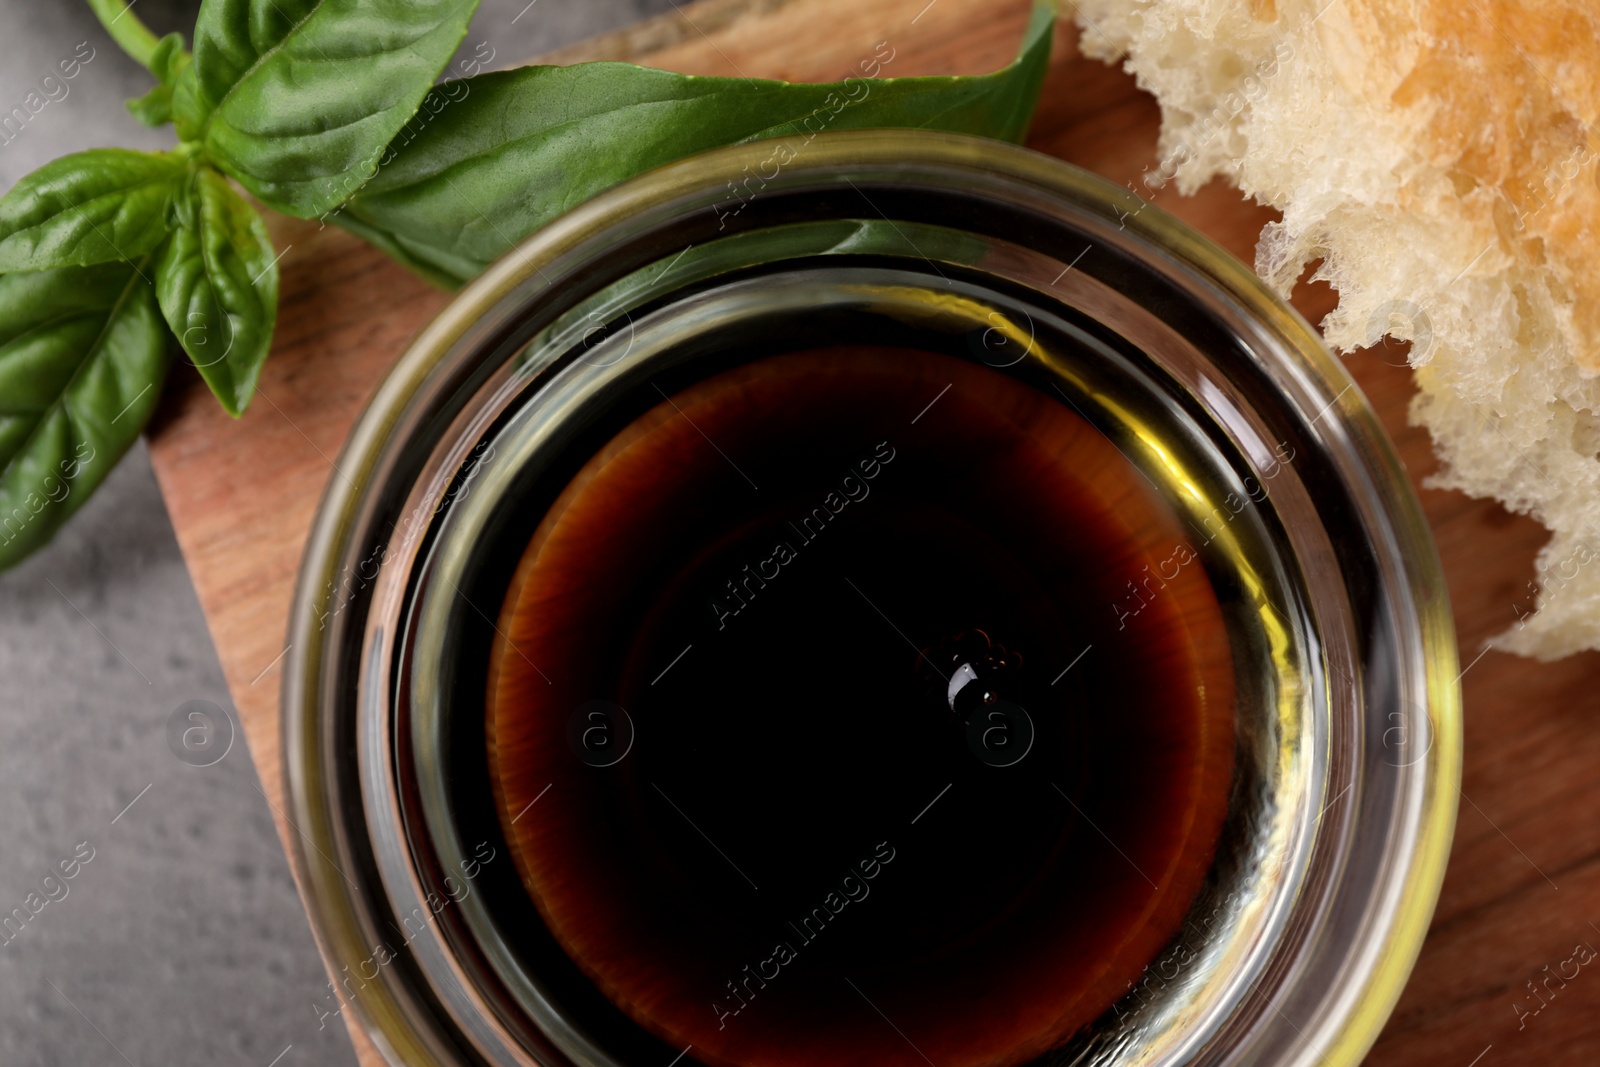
1523,889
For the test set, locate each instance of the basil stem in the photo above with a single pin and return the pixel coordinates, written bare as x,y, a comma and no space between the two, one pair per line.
131,35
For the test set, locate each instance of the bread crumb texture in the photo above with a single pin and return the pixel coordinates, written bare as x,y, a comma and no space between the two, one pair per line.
1438,157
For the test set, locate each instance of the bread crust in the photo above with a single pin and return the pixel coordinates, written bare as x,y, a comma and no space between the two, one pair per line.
1439,161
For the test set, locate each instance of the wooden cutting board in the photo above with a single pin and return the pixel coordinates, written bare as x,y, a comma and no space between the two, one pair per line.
1524,879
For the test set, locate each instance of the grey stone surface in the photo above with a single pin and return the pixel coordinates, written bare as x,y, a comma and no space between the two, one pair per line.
181,941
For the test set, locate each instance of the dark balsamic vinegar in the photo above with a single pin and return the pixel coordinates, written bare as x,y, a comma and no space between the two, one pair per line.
882,714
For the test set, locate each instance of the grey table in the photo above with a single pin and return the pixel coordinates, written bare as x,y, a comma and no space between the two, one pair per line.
180,939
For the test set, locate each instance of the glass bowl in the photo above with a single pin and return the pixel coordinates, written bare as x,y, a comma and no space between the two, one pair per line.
1348,728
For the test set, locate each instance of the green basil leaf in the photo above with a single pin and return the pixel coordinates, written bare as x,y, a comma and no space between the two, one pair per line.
89,207
188,113
439,269
217,282
153,108
488,160
298,98
83,354
167,62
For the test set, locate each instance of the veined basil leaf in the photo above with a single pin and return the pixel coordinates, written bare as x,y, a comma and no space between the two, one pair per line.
490,159
89,207
298,98
82,358
217,283
167,62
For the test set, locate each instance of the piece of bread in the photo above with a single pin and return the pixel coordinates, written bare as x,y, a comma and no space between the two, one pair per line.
1439,158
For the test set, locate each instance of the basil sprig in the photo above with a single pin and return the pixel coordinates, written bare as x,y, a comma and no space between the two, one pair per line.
112,260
